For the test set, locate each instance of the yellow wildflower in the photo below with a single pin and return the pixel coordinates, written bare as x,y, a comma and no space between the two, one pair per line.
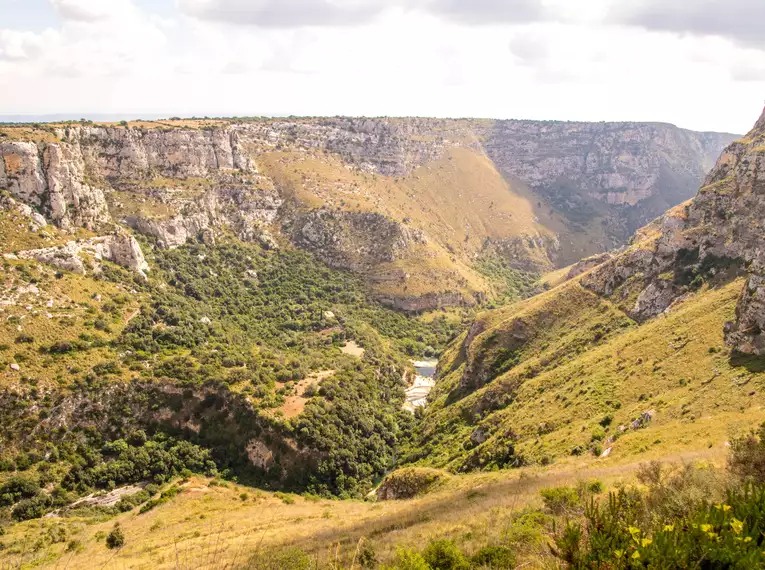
737,526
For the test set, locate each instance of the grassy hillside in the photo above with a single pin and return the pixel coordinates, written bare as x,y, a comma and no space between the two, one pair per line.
460,201
209,524
566,374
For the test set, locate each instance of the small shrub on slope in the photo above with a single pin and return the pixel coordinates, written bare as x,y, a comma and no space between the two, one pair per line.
116,538
747,458
560,500
408,483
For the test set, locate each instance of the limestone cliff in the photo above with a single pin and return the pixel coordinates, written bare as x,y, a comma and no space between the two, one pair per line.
716,236
363,193
626,173
51,178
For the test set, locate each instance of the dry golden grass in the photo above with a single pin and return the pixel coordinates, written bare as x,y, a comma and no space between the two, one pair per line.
211,528
27,133
459,201
61,310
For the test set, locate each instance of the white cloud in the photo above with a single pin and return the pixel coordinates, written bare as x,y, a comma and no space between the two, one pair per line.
412,57
318,13
20,46
92,10
284,13
738,20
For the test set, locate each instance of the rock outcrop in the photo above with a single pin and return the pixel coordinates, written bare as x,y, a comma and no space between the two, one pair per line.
354,241
119,248
718,235
51,179
587,264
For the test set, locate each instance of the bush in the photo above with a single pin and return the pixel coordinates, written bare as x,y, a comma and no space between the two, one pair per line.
129,502
285,498
595,487
165,497
495,557
674,491
598,434
74,546
560,500
367,556
747,457
115,539
408,483
725,535
32,508
443,554
408,559
17,488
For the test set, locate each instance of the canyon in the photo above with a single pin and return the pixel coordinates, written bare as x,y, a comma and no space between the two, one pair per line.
409,204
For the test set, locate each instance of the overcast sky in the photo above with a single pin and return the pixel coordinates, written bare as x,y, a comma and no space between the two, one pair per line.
696,63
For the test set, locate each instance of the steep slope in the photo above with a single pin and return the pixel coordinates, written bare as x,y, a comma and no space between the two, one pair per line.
714,237
619,175
629,354
408,203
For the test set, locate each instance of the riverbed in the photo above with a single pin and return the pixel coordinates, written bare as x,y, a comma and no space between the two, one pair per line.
424,380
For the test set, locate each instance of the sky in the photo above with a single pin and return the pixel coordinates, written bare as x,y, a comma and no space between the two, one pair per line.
699,64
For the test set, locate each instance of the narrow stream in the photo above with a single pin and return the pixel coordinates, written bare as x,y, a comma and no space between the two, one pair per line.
417,394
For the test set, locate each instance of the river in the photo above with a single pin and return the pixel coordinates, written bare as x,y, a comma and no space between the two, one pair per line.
417,394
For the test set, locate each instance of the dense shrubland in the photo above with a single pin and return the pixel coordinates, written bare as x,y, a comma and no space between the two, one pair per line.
221,339
682,517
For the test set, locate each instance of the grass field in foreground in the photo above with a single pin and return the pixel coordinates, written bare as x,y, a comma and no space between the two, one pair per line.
213,527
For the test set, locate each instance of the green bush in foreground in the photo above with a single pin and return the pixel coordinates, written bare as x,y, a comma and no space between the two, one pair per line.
496,557
408,559
445,555
724,535
560,499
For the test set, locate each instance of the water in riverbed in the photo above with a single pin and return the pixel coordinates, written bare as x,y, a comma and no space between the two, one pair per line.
417,394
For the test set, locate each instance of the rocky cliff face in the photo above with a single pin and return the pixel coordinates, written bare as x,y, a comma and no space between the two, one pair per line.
354,241
51,178
118,248
716,236
628,172
176,183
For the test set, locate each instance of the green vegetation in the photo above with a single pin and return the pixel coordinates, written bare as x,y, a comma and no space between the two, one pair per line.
115,539
511,284
220,340
566,376
410,482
